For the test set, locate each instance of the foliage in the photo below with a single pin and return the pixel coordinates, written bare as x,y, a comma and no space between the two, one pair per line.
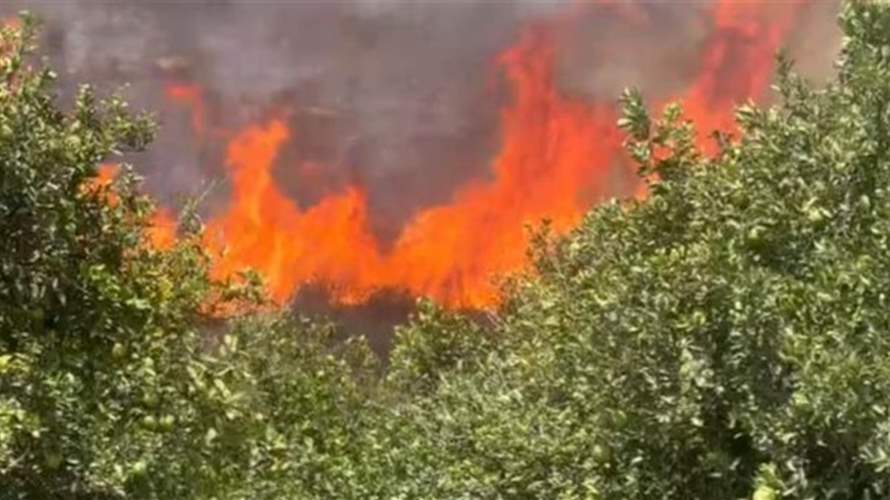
110,384
434,345
725,338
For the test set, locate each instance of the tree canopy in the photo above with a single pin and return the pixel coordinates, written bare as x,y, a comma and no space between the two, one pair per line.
726,337
110,384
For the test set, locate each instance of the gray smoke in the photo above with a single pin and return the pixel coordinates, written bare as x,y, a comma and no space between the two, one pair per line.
394,94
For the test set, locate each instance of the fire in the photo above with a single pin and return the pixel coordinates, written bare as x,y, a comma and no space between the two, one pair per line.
555,161
264,230
554,164
193,97
161,230
737,63
105,175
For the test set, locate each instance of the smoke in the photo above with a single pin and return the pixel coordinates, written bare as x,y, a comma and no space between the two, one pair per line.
396,95
389,91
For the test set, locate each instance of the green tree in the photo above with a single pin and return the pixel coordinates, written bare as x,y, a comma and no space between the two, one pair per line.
112,384
725,338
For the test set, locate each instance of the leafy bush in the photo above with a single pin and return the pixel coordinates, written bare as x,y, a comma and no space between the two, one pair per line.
109,384
727,337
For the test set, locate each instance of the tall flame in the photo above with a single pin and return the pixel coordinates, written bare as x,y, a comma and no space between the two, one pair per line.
555,161
737,63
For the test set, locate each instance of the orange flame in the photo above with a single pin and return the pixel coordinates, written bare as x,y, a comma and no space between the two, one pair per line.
105,175
264,230
554,163
737,63
193,97
161,231
556,160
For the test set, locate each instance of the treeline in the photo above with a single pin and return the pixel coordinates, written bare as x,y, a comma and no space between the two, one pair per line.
728,337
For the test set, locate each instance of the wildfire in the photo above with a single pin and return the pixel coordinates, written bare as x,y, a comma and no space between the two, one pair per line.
556,156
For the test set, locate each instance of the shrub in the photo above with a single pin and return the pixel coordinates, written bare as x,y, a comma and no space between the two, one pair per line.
726,337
